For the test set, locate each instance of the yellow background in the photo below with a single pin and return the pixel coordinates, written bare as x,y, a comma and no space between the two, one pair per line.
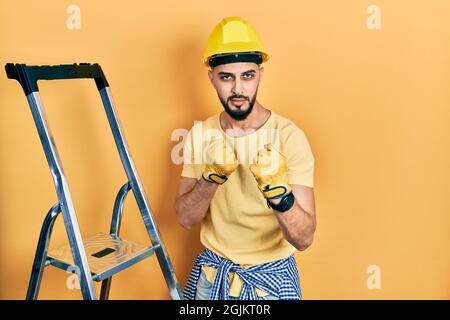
373,103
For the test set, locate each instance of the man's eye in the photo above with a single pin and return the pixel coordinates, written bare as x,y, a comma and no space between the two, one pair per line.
248,76
225,77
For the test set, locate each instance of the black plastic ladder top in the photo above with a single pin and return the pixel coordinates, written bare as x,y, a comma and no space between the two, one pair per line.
29,75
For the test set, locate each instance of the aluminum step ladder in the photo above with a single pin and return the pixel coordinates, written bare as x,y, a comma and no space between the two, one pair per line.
102,255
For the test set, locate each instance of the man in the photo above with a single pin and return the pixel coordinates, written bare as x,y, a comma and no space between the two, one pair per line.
252,190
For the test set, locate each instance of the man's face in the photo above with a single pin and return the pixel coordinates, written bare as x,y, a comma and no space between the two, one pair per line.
237,86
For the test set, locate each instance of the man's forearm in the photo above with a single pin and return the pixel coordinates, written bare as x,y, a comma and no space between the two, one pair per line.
298,226
192,206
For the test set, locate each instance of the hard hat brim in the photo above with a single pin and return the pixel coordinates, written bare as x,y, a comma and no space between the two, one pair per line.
264,57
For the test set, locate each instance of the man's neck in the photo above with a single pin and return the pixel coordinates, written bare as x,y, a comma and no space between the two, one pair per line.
254,121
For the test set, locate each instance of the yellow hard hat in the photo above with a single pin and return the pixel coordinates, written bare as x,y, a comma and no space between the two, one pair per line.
233,35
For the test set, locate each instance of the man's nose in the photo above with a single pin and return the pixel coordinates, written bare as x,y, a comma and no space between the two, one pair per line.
237,88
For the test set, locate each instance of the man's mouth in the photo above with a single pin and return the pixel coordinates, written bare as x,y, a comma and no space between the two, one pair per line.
238,102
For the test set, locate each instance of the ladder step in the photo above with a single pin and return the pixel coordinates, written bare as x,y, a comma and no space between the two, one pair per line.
106,255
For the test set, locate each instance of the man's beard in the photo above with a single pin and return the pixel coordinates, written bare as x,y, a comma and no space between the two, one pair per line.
238,114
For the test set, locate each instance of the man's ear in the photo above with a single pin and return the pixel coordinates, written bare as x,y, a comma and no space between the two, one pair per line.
210,76
261,73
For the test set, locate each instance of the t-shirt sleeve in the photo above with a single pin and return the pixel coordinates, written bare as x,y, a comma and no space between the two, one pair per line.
299,158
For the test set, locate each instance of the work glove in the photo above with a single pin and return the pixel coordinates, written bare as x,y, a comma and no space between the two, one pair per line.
269,171
220,163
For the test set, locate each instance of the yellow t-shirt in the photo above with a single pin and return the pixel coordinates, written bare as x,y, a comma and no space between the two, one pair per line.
239,225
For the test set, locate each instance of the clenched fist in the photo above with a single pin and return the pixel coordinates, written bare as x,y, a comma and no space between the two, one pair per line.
220,163
269,171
